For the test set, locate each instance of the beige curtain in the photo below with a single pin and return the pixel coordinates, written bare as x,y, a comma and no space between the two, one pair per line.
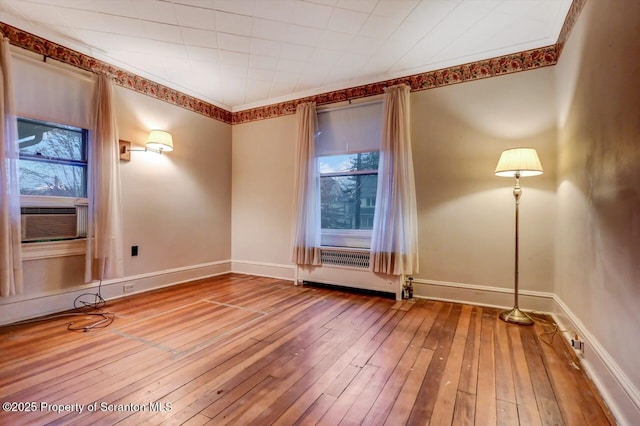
104,258
10,233
394,238
306,203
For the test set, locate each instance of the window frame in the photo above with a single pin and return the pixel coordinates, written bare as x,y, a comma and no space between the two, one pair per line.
34,250
55,200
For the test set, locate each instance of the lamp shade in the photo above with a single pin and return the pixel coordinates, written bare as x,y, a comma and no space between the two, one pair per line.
159,140
519,161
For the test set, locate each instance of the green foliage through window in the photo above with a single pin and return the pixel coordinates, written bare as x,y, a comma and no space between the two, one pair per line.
348,185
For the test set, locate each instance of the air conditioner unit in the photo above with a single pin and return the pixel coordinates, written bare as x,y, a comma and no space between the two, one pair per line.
49,223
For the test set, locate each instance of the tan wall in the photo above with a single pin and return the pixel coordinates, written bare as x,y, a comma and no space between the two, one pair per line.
177,206
263,161
466,214
598,217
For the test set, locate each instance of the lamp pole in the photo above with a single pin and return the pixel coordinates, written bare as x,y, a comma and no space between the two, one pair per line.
515,315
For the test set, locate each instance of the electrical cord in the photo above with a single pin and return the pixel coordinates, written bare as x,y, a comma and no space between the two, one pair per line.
84,307
553,331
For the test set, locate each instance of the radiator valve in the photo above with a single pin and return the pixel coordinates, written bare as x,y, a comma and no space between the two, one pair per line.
407,289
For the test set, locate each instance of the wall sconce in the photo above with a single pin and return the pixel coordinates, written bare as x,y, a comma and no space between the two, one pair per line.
158,141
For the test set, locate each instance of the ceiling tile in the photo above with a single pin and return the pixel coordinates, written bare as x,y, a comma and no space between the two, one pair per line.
235,6
263,62
156,11
203,54
269,30
359,5
265,47
335,41
199,38
233,24
196,17
347,21
233,58
304,35
275,10
295,51
312,15
379,27
162,32
234,43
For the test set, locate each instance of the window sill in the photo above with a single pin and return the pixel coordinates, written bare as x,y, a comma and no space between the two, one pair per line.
51,249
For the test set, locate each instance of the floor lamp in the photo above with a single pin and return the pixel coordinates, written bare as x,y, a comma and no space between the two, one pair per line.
517,163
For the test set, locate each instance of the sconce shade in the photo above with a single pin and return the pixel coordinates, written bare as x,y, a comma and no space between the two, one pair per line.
522,161
159,140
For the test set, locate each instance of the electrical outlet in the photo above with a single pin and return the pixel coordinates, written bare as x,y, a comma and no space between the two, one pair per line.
127,288
134,250
577,344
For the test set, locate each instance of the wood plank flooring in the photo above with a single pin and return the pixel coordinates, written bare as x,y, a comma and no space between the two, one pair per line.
238,349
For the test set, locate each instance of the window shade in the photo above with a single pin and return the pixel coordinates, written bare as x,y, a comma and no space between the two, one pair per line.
352,129
45,92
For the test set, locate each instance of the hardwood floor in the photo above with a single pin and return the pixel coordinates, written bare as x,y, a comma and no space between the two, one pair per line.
238,349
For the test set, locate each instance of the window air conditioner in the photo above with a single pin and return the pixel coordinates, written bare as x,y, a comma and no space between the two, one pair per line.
49,223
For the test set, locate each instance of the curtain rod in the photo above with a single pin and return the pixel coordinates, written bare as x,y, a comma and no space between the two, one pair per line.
52,64
321,110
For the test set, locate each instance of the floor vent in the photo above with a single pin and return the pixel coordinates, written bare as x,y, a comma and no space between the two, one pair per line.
350,259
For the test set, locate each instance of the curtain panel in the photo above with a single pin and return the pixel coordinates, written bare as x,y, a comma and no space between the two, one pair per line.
10,232
105,257
306,200
394,239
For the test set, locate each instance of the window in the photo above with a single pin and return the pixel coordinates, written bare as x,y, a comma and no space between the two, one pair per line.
348,186
347,150
53,159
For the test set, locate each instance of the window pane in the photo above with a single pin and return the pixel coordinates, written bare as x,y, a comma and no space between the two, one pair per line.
50,141
349,162
53,159
54,179
348,202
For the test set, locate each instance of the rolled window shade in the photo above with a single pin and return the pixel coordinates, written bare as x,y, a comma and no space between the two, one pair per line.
48,93
352,129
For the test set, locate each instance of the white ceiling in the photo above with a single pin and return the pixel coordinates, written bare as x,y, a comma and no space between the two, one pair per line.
239,54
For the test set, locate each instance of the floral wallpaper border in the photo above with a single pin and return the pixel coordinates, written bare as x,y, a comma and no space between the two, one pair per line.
522,61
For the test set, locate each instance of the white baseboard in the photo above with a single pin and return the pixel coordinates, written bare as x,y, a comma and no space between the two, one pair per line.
618,391
262,269
23,307
483,295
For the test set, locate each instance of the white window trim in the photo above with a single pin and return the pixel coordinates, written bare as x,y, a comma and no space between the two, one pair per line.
51,249
51,201
348,238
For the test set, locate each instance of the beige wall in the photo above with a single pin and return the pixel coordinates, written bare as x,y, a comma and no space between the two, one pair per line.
598,239
263,161
177,206
466,214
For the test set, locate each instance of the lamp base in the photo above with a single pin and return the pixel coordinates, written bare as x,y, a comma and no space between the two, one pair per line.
516,316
